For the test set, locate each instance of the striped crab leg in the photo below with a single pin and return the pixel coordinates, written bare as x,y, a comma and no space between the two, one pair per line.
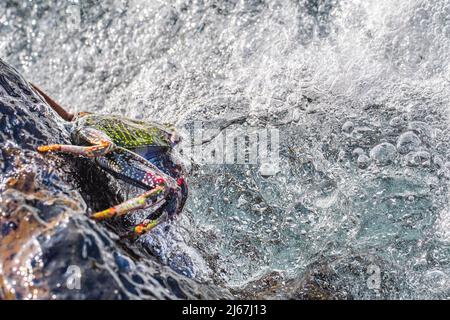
101,144
161,195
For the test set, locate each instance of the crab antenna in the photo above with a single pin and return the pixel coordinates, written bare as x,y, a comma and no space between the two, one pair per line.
55,106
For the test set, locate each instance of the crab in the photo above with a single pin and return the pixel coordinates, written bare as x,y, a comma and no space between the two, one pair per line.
138,152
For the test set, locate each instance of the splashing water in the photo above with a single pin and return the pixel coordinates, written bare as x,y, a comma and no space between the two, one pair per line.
359,91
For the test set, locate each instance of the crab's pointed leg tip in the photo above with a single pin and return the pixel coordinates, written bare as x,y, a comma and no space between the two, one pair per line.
144,227
138,230
105,214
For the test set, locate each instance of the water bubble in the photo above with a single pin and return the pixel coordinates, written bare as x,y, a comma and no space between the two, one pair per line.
420,128
439,163
363,161
241,201
341,155
445,171
407,142
268,169
383,154
357,152
436,280
398,121
348,127
418,158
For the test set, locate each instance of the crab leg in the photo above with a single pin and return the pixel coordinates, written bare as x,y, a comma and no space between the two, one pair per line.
148,224
132,168
100,144
139,202
90,152
55,106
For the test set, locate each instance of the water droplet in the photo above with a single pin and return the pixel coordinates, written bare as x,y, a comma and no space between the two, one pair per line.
398,121
408,142
268,169
241,201
383,154
418,158
420,128
437,160
363,161
341,155
348,127
436,280
357,152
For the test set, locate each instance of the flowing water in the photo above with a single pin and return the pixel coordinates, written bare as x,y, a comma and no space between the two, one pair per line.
358,92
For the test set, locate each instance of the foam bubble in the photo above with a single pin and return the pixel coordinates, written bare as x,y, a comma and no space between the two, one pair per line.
407,142
383,154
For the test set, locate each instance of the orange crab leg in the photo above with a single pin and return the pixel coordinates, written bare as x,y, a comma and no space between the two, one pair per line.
139,202
91,151
99,144
148,225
